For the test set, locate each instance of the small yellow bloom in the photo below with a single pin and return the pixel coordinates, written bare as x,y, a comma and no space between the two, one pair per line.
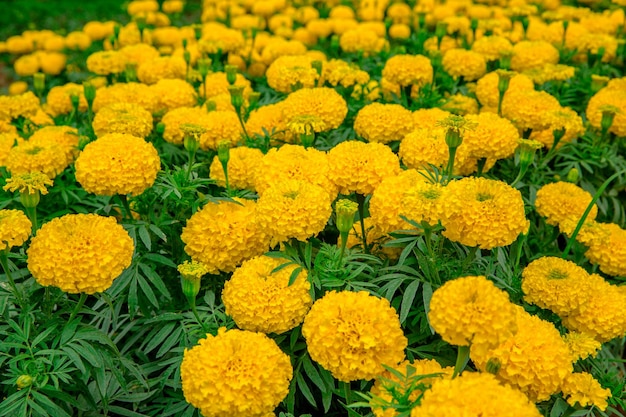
31,183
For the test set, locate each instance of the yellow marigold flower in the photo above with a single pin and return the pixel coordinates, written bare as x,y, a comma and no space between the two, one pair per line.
139,53
533,54
106,62
98,30
556,284
280,47
563,119
294,162
47,156
52,63
487,88
77,41
222,39
428,118
493,137
472,311
354,334
360,167
463,63
592,42
15,229
172,6
64,136
12,107
474,394
236,373
560,201
117,163
160,68
550,72
220,126
223,235
482,212
399,31
529,109
132,93
7,142
461,105
289,72
583,389
123,118
26,65
293,209
581,345
323,102
17,87
261,301
217,84
383,123
362,40
174,119
610,252
30,183
613,95
338,72
534,360
492,47
270,119
424,147
242,168
192,270
408,70
80,253
388,385
602,316
174,93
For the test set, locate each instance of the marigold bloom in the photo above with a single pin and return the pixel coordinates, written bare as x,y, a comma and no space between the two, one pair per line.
30,183
360,167
223,235
59,99
48,157
322,102
529,109
15,229
492,47
387,384
242,168
482,212
610,252
583,389
270,119
474,395
463,63
220,126
492,137
353,334
192,270
288,71
117,163
338,72
293,209
236,373
123,118
556,284
472,311
564,119
294,162
534,360
160,68
560,201
383,123
174,93
408,70
261,301
362,40
423,147
80,253
581,345
175,118
611,95
487,88
131,93
533,54
106,62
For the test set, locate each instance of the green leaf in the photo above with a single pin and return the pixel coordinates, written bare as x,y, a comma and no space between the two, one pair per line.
155,280
144,235
42,336
312,373
158,232
427,294
407,300
147,290
125,412
304,389
158,337
294,275
9,405
53,409
74,357
559,408
160,259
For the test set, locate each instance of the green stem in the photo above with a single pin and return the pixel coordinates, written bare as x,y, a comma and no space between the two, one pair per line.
500,100
191,160
192,304
243,124
81,302
31,212
450,168
360,199
462,358
347,393
344,242
470,257
4,260
595,198
225,168
520,175
124,200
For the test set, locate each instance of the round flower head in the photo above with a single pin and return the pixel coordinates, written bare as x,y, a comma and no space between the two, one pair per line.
236,373
602,316
260,300
106,62
472,311
424,147
564,119
80,253
492,47
560,201
117,164
353,335
325,103
223,235
220,126
461,104
360,167
174,119
533,54
428,118
534,360
415,375
131,93
408,70
583,389
59,99
269,119
15,229
293,209
294,162
474,394
493,137
362,40
610,253
160,68
463,63
217,84
556,284
487,88
383,123
123,118
47,156
529,109
242,167
174,93
288,71
609,99
338,72
482,212
581,345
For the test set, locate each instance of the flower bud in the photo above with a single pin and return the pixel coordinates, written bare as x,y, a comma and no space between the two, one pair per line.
254,98
573,175
191,274
231,74
30,200
160,128
608,115
527,148
345,211
204,66
236,96
24,381
89,90
223,151
75,100
39,82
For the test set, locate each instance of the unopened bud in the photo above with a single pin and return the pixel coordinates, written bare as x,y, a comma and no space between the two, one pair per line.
89,90
253,98
317,65
39,82
223,151
231,74
573,175
24,381
160,128
608,115
345,210
30,200
204,66
527,148
236,96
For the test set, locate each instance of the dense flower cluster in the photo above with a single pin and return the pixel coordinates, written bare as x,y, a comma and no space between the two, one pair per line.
80,253
353,334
